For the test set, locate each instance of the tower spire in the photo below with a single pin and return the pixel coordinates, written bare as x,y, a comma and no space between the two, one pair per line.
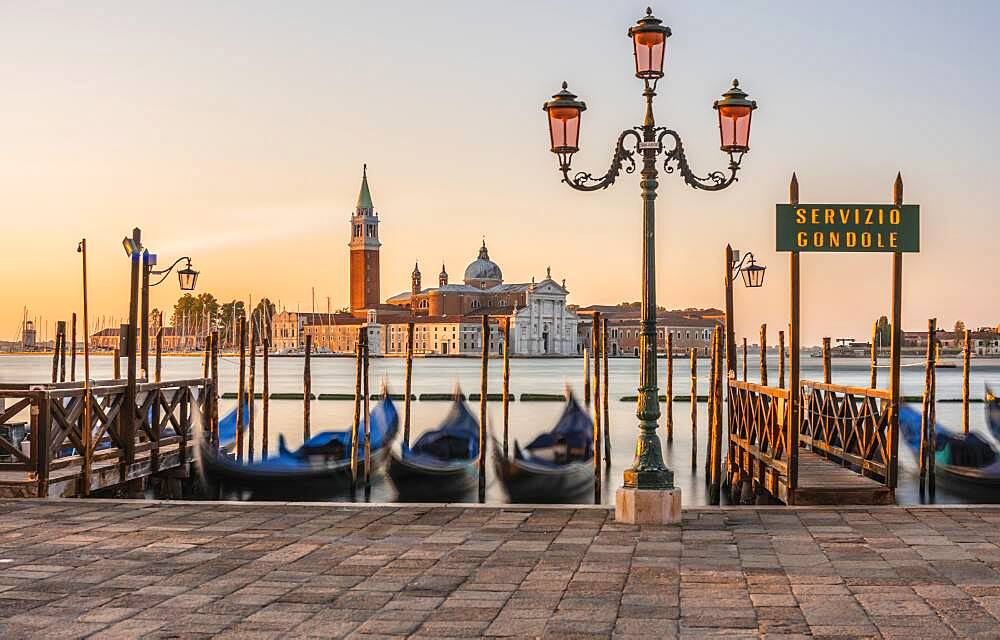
365,196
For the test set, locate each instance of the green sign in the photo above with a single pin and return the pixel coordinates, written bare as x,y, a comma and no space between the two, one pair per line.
848,227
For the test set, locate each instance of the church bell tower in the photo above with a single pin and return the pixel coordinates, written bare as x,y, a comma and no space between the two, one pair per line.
364,250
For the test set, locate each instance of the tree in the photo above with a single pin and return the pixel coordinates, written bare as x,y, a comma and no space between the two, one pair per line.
959,328
229,318
195,314
260,320
883,332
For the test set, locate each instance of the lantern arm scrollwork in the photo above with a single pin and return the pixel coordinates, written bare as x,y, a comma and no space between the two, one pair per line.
166,272
676,160
736,267
583,181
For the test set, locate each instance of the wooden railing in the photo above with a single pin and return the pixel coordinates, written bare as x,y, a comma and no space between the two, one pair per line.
849,425
59,437
758,433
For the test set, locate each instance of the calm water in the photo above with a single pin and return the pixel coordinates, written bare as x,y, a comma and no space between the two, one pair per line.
439,375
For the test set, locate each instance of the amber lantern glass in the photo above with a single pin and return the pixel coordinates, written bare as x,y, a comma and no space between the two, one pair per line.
564,121
735,112
649,39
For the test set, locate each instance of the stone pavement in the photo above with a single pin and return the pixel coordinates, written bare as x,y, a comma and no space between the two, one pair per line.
119,569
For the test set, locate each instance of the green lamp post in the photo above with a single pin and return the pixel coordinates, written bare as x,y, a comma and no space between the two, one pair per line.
643,498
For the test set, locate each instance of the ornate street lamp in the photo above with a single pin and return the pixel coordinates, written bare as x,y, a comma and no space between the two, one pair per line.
648,35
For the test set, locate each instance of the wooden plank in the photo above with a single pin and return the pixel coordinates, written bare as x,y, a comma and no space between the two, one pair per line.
881,394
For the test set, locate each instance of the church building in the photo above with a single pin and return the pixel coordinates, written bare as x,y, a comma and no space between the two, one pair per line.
539,321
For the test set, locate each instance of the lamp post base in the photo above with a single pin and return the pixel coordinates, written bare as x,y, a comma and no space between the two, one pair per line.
648,506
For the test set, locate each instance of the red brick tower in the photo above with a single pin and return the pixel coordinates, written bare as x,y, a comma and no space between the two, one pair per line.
364,250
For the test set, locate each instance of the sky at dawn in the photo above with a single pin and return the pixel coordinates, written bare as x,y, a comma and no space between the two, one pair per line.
235,132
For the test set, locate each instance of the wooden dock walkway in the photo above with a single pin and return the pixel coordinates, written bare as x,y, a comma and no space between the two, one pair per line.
63,456
841,452
823,482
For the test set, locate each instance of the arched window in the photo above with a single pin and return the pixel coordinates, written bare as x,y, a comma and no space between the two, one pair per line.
475,304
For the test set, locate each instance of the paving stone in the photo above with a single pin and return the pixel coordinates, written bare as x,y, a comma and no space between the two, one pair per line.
119,569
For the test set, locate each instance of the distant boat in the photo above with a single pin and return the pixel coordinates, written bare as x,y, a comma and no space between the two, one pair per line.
318,470
557,466
442,464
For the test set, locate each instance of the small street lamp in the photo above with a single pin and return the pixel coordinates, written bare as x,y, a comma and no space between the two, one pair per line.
648,494
753,273
187,278
753,278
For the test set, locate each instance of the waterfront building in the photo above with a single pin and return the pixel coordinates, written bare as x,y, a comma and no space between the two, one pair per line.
455,335
690,329
174,339
540,322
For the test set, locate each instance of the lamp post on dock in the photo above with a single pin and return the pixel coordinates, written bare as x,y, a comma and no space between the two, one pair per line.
187,278
753,277
648,494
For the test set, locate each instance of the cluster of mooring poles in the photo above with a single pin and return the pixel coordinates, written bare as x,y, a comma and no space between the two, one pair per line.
599,390
59,352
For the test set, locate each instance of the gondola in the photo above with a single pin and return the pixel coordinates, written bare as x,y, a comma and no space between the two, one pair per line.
443,464
555,467
318,470
963,459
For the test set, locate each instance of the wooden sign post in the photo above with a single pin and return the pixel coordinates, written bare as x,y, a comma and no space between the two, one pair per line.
867,228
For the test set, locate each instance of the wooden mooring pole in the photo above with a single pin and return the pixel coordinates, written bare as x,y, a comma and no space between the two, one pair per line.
781,359
668,384
763,354
88,423
506,385
710,439
873,381
72,349
366,378
215,389
595,347
926,426
715,472
116,365
307,390
251,392
605,415
61,330
358,351
241,389
827,372
408,384
586,376
266,391
966,352
744,359
483,388
55,357
694,409
158,370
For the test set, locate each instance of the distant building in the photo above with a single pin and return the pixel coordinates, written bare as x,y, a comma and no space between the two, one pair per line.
985,341
444,336
174,339
540,323
690,329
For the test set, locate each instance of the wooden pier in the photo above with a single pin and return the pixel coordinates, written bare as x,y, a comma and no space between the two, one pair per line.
63,456
841,452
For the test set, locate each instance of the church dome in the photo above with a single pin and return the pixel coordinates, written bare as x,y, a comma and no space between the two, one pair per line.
483,273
